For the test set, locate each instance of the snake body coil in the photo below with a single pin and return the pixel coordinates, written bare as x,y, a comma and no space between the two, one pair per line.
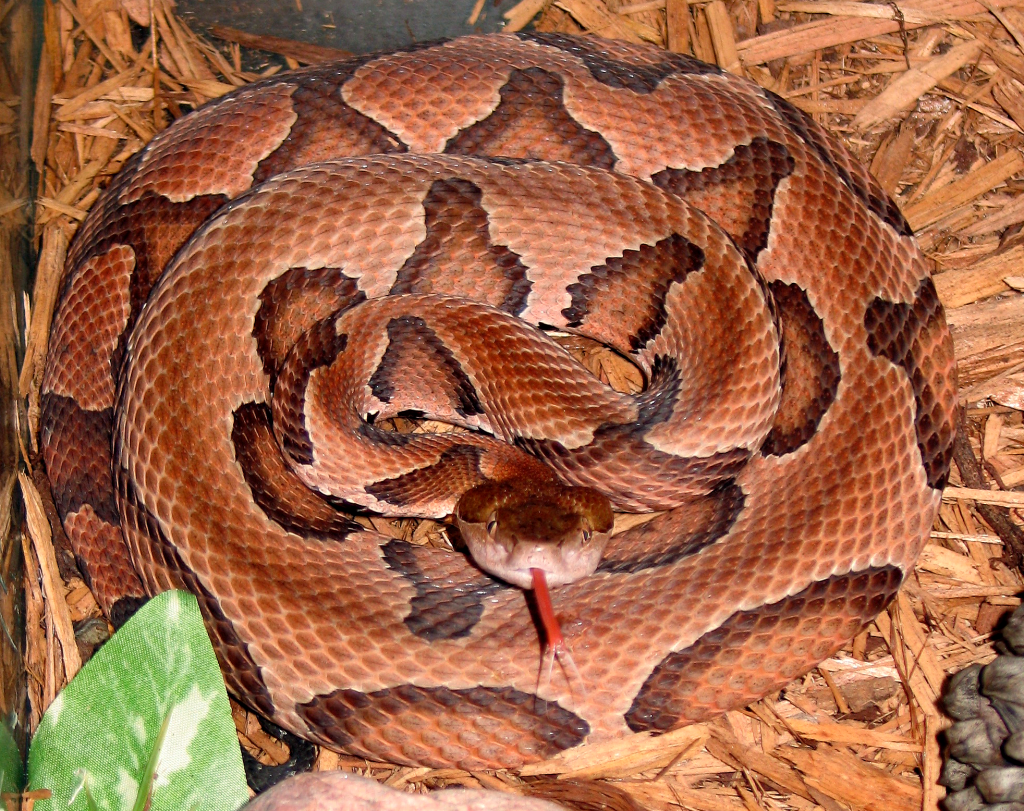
289,265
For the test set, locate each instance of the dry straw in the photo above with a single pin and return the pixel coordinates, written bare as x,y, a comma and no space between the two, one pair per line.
930,94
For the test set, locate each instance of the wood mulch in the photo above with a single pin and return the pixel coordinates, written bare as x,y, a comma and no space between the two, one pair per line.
931,96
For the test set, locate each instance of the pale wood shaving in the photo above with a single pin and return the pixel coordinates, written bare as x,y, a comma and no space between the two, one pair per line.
520,15
48,274
1001,497
903,93
988,341
723,37
914,15
636,753
843,777
944,201
595,18
53,591
1006,212
981,280
827,33
1009,92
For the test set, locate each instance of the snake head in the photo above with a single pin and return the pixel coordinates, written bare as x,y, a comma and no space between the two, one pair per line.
512,527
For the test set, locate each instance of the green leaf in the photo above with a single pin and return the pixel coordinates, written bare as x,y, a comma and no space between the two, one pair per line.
145,724
10,761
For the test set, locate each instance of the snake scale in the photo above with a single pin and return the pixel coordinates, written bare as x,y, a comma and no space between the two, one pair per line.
286,267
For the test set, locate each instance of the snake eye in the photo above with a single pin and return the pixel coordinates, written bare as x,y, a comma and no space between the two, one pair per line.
588,533
492,525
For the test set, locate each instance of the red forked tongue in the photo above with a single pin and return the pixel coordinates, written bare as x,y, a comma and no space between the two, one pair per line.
556,644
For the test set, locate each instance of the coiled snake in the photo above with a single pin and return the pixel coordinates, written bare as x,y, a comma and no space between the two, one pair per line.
458,201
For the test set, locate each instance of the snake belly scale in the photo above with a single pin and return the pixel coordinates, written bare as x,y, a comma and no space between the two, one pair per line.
360,228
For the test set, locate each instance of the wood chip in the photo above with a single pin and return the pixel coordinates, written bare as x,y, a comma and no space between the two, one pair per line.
956,168
302,52
986,278
1002,498
520,15
1009,93
904,92
939,560
807,37
723,37
49,271
843,777
53,591
595,17
642,748
945,200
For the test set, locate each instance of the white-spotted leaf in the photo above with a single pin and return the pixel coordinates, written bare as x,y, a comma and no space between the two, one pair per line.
145,725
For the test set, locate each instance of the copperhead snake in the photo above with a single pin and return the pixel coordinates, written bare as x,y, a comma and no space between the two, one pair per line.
323,233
